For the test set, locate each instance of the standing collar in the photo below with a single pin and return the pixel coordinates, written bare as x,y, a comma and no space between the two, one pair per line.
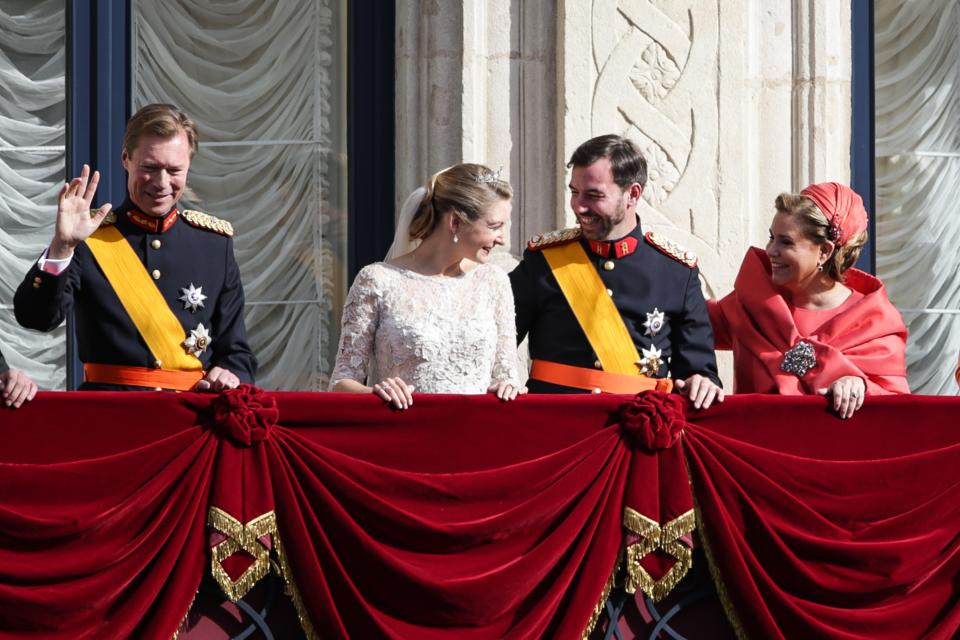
617,248
148,223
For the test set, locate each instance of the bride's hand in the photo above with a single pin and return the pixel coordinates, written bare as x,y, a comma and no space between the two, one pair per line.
395,391
507,391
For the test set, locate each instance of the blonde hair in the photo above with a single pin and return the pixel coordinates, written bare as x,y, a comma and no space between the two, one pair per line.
163,120
816,228
466,189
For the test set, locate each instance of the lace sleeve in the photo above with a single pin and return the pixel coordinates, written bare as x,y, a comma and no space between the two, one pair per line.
506,366
357,330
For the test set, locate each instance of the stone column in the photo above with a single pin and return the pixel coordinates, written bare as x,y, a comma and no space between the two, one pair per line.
477,82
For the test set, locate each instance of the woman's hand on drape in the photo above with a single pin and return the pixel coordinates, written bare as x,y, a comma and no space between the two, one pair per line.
394,391
848,393
506,390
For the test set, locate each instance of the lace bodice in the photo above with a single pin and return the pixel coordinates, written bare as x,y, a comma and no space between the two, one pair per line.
440,334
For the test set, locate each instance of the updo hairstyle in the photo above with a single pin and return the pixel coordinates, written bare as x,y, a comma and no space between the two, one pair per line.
466,189
817,229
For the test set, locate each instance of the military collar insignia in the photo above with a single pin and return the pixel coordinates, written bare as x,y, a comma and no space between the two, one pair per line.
672,249
206,221
618,249
654,322
192,297
198,341
554,238
650,361
150,223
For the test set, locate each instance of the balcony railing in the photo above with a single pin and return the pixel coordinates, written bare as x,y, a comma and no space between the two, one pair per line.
466,518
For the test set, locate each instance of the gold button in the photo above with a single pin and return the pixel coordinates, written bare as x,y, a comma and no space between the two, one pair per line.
158,388
36,285
157,364
610,292
597,365
155,244
156,274
608,265
597,390
38,280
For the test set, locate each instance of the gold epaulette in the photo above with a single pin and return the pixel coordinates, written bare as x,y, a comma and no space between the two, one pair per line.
110,218
554,238
672,249
206,221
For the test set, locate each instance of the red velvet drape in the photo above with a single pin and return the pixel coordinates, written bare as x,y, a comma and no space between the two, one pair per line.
823,528
462,517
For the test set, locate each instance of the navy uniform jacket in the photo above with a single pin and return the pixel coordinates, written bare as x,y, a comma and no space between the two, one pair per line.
640,282
181,255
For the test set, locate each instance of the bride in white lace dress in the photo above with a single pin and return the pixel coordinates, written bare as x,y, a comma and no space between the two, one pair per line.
425,320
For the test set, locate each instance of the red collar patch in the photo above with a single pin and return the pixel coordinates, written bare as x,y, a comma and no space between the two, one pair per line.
150,223
618,249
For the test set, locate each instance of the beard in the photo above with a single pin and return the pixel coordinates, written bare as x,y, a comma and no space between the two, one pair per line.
601,226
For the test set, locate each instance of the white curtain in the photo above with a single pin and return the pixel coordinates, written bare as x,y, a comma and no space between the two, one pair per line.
265,81
32,162
917,51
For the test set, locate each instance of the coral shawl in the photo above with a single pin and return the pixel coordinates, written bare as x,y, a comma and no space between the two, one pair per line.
866,339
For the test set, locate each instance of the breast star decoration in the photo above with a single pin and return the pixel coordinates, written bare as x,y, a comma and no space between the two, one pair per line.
198,341
192,297
650,360
654,322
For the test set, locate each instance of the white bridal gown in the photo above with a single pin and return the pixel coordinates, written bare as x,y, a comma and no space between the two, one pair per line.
440,334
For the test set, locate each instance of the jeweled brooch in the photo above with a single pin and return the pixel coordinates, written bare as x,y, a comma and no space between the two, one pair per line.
799,359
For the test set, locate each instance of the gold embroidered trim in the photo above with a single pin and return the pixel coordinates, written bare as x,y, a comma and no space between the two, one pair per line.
600,606
653,537
208,222
183,621
109,219
552,238
718,582
240,537
291,589
672,249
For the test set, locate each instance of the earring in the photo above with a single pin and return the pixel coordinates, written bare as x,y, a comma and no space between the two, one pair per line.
456,238
820,267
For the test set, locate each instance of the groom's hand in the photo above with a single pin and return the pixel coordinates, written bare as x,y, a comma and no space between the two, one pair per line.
700,390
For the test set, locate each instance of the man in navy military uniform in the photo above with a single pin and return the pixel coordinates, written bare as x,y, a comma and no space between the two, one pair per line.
155,290
656,328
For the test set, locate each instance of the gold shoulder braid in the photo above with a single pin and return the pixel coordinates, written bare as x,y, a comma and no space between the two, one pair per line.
553,238
109,219
206,221
672,249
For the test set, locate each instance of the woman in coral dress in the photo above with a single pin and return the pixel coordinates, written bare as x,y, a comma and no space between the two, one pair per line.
801,320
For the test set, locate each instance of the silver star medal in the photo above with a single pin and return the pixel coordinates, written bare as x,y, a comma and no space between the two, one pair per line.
654,322
198,341
192,298
651,360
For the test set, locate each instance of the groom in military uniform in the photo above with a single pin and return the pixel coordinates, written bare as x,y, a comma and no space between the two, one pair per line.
155,290
607,307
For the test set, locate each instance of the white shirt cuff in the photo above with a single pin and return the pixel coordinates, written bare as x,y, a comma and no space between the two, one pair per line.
56,267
